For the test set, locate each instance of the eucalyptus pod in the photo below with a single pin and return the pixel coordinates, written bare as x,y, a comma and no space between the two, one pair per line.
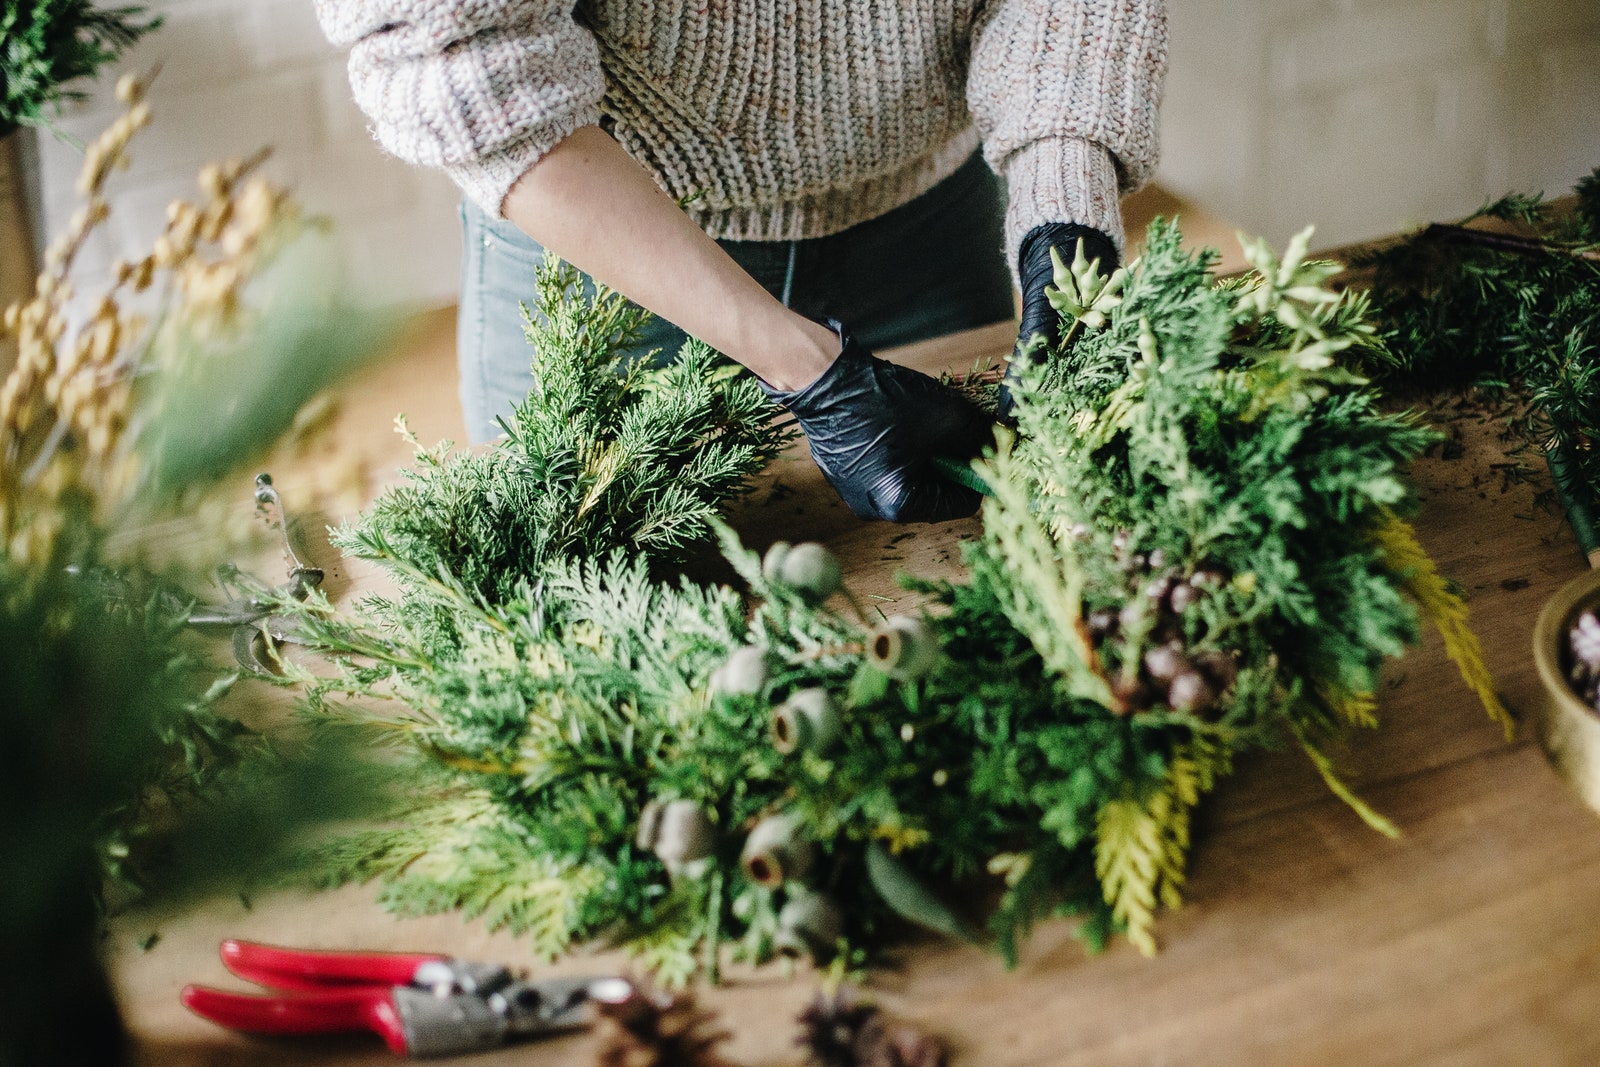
772,562
743,674
808,568
809,924
904,647
808,720
679,832
777,851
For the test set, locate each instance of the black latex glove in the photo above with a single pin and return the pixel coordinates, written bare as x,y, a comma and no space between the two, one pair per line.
874,426
1034,272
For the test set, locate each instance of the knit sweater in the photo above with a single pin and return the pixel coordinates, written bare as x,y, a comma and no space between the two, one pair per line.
774,120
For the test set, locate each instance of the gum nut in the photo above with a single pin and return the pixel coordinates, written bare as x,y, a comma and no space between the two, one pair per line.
1130,615
812,570
772,562
1158,559
1101,621
744,674
807,720
775,852
685,833
649,826
809,924
903,648
1181,598
1190,692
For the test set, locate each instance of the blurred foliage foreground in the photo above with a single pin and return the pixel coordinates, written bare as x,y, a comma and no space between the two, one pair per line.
126,422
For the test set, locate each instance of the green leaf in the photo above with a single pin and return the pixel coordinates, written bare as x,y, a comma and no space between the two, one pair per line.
909,898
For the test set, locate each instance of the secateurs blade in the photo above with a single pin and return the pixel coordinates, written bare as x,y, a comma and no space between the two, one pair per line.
420,1004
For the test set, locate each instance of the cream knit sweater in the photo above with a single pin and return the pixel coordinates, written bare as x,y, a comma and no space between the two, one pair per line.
780,120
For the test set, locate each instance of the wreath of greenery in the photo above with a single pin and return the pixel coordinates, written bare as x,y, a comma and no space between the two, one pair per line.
1192,547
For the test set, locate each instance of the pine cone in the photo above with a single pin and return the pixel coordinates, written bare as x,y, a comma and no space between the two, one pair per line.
657,1030
835,1030
839,1031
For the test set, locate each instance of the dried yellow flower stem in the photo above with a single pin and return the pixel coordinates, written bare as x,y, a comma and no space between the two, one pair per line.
67,424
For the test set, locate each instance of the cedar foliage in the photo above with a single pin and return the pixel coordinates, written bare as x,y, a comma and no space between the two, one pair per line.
1192,549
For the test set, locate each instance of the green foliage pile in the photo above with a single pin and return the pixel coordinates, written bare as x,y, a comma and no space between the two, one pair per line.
1192,549
45,45
1508,300
603,454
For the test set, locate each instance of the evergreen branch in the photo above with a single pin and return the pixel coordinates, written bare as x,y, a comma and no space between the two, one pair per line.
1506,242
1047,599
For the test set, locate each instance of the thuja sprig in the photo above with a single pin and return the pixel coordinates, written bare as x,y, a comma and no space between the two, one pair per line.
1081,293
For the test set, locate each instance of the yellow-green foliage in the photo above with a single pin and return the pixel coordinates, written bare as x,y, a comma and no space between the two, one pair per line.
1444,608
1142,847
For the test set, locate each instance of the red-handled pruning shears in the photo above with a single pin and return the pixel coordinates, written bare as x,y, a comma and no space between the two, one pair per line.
422,1005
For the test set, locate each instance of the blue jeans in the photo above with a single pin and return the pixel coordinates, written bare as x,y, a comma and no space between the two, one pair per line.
928,268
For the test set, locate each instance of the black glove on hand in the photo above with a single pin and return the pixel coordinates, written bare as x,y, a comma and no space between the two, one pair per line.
1034,272
873,427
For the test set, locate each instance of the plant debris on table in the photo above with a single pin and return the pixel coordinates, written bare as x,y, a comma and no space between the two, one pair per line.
1507,300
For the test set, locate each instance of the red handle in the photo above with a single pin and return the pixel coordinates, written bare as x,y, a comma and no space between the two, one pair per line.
288,968
321,1013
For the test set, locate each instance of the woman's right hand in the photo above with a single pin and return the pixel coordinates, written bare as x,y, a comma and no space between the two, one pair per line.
874,428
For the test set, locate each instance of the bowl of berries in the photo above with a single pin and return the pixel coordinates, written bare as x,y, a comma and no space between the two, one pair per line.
1566,652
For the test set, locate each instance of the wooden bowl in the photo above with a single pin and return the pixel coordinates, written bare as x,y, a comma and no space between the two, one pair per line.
1568,728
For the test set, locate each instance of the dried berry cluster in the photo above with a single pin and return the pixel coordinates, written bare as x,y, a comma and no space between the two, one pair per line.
1156,616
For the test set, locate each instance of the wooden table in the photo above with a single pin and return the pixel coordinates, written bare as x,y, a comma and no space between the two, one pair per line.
1306,938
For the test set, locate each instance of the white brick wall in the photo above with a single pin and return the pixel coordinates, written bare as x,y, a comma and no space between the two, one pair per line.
1368,116
237,75
1362,116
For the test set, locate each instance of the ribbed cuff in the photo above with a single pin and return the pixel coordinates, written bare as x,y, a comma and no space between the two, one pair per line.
1060,179
487,181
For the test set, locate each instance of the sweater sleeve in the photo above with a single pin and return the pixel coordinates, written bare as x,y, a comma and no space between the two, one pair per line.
1065,94
479,88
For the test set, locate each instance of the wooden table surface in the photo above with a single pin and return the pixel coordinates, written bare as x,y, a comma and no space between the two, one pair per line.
1305,938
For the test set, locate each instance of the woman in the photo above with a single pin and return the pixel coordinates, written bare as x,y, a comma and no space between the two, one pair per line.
824,154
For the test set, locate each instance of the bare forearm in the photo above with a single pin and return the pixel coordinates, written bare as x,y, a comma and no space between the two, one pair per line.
590,203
